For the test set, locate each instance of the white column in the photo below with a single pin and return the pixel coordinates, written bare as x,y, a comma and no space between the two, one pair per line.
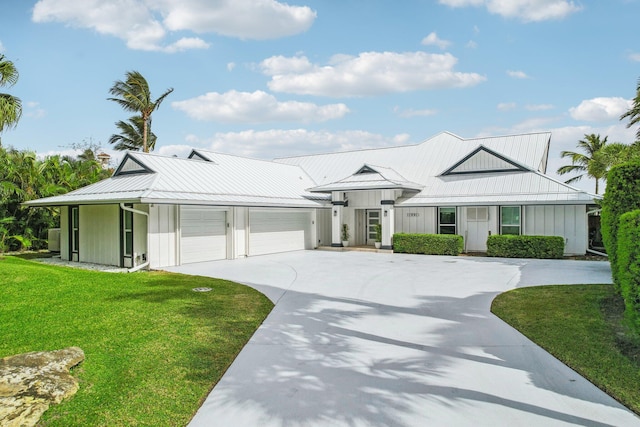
388,224
337,200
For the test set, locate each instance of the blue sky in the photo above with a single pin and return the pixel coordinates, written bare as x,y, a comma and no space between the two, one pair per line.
265,79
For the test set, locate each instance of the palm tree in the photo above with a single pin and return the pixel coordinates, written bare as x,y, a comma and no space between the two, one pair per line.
634,112
134,95
10,106
130,136
585,163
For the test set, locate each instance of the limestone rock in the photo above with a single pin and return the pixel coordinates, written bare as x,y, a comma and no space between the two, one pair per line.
30,382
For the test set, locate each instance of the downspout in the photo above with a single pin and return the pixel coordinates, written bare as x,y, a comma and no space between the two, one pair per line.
135,211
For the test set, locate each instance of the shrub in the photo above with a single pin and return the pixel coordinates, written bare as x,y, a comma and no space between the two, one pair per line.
428,244
622,195
628,265
509,246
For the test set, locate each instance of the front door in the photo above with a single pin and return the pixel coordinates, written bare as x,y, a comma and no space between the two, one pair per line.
477,228
373,219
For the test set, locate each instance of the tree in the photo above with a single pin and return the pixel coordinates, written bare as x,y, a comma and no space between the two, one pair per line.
634,112
134,95
10,106
130,136
585,164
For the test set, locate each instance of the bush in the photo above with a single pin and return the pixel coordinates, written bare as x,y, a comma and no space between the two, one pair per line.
622,195
428,244
509,246
628,265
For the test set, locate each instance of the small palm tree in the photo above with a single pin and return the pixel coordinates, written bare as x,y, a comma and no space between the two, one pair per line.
130,136
10,106
634,112
134,95
585,164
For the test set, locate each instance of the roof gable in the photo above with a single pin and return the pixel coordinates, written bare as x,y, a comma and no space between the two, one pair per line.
130,165
484,160
196,155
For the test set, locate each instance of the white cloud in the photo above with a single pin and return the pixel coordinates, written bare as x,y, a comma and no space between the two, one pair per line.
1,47
635,56
369,73
433,40
538,107
507,106
288,142
525,10
517,74
600,109
33,110
231,66
408,113
472,44
145,25
256,107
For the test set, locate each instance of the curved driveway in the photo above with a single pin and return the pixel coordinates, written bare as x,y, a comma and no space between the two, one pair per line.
373,339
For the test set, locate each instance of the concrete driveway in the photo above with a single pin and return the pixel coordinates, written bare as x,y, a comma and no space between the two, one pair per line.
369,339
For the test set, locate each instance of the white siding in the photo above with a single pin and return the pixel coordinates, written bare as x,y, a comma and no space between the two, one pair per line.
64,233
203,234
323,224
415,220
240,221
278,230
100,234
364,199
162,236
569,222
140,234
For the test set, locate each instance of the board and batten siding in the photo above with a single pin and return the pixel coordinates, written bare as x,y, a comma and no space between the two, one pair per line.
100,234
140,234
64,233
416,220
323,227
568,221
162,236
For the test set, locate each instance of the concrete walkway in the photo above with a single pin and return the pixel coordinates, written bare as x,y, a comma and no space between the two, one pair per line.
366,339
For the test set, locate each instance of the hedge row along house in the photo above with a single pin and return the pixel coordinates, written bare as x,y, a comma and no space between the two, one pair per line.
157,211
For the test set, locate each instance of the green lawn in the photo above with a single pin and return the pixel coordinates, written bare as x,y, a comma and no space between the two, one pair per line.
154,348
583,327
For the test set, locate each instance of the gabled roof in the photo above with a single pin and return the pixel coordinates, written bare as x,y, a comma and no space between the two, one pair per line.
454,170
228,180
484,160
369,177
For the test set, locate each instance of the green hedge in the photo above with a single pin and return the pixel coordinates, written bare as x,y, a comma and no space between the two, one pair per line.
628,264
509,246
428,244
622,195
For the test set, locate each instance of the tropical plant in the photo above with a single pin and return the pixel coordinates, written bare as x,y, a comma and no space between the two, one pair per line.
585,164
378,229
131,135
133,95
24,177
10,106
345,232
634,112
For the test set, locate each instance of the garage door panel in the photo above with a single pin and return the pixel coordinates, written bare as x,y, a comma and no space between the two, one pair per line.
278,231
203,234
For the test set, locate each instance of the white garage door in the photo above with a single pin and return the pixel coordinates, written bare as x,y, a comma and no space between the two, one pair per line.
278,231
203,234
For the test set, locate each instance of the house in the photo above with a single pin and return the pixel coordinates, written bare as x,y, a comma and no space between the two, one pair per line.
159,211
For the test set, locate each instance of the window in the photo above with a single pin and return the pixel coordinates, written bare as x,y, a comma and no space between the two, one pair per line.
75,229
447,220
510,220
127,232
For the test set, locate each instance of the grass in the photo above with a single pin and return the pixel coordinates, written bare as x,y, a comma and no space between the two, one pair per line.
583,326
153,347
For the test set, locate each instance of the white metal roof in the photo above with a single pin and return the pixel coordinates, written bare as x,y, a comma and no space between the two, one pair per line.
222,179
424,164
230,180
369,177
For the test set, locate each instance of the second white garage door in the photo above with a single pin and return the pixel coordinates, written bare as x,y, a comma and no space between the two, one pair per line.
278,231
203,234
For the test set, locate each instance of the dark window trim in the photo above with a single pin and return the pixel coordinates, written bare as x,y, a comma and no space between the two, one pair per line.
509,225
72,233
123,256
455,223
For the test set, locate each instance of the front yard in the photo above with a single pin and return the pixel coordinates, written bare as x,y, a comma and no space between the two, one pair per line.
154,348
